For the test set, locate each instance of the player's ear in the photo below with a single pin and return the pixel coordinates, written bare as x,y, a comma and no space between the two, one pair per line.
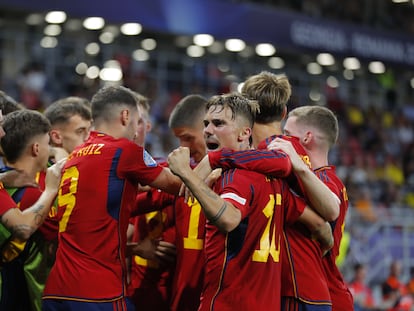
245,134
55,137
124,116
148,127
35,149
307,138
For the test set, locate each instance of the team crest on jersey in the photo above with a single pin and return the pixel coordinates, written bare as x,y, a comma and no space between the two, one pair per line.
148,160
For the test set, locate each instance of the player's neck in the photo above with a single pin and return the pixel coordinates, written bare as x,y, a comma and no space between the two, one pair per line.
262,131
112,129
317,158
26,165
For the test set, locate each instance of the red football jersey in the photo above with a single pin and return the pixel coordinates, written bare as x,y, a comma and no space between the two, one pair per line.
97,192
188,279
6,202
341,296
50,226
150,283
300,252
243,266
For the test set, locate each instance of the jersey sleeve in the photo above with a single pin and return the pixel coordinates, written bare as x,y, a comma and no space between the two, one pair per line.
236,189
152,200
268,162
295,205
136,163
324,176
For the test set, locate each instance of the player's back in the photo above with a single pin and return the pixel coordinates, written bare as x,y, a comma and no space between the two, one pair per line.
190,231
341,296
243,266
98,188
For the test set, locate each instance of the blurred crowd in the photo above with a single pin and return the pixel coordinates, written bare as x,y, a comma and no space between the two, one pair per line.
374,154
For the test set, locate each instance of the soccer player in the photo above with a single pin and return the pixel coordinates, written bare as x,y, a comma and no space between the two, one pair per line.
188,220
149,287
245,214
97,192
22,224
272,93
26,149
70,120
317,129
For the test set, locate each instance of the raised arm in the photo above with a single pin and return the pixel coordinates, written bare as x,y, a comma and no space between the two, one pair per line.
269,162
22,224
218,211
320,197
167,182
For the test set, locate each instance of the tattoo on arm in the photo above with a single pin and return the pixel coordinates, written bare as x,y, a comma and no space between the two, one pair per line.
39,215
219,213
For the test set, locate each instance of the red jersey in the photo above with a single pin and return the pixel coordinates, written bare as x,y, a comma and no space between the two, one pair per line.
97,192
6,202
150,284
188,279
340,295
189,229
25,197
243,266
263,160
308,285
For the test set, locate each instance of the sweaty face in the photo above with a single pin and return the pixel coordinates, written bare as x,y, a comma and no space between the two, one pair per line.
193,138
220,131
74,133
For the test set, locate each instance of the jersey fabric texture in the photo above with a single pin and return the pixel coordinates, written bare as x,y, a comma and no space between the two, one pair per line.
300,251
97,192
6,202
190,231
243,266
150,282
341,296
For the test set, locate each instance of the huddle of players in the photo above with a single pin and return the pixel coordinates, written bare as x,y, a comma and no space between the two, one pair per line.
257,240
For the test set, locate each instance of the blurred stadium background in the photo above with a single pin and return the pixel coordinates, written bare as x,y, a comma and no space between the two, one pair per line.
354,56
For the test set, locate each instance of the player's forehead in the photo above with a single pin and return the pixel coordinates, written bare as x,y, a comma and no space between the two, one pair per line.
219,112
185,131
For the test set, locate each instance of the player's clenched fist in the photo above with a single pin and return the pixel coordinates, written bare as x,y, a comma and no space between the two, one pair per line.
179,161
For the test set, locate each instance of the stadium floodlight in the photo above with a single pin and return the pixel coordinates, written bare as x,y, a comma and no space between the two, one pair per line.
314,68
376,67
265,49
195,51
351,63
203,39
325,59
131,29
94,23
235,45
55,17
